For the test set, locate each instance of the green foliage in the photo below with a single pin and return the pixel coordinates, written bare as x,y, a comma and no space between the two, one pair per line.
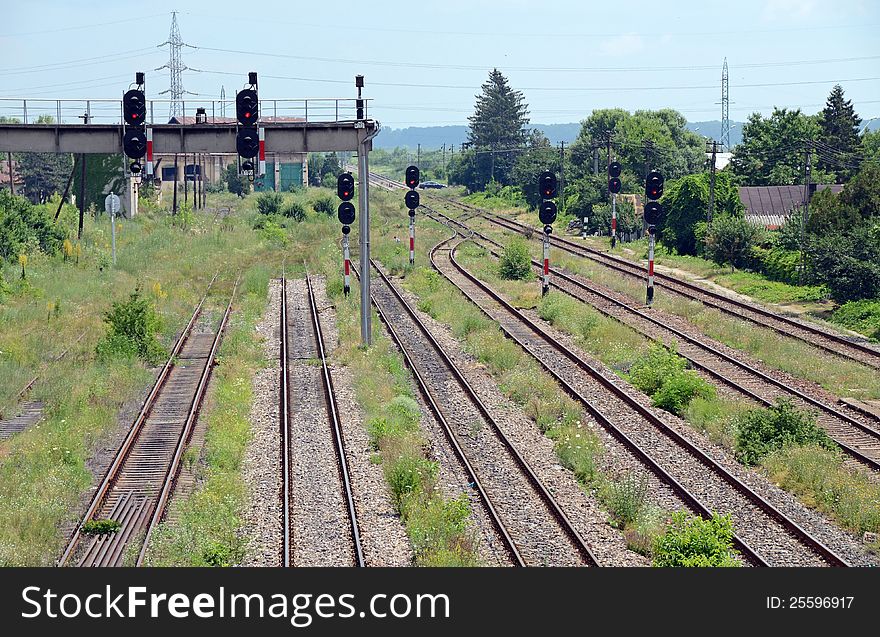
25,227
235,183
839,126
132,329
769,153
625,499
401,417
408,476
820,479
578,450
762,431
324,205
515,263
440,533
849,264
679,151
101,527
293,210
861,316
662,375
323,167
105,173
730,239
678,391
686,203
538,157
269,203
695,542
778,264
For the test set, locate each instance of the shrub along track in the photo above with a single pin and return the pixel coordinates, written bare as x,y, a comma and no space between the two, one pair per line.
530,522
856,434
142,476
320,526
768,536
851,348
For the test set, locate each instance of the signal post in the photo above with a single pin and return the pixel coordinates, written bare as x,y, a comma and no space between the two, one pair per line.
547,215
614,186
653,213
412,202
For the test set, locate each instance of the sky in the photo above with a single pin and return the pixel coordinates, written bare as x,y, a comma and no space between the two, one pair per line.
424,62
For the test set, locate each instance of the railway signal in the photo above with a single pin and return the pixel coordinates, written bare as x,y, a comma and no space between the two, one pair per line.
135,139
614,187
250,138
411,199
547,215
653,213
346,214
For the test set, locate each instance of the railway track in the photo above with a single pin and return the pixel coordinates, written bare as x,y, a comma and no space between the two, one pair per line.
843,346
530,522
310,486
139,483
701,482
857,434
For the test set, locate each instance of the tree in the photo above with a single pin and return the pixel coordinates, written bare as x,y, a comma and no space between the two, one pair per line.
772,149
25,228
43,173
871,144
497,126
235,183
105,173
686,203
839,128
538,157
848,263
729,240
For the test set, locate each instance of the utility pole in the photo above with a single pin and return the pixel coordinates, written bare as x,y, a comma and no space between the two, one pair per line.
419,156
808,154
596,160
82,193
11,180
185,183
562,176
174,205
712,182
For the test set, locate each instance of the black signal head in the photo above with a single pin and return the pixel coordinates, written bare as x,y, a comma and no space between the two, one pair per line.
614,169
345,213
547,212
614,185
547,184
247,108
345,186
654,185
134,107
412,199
653,213
247,143
412,176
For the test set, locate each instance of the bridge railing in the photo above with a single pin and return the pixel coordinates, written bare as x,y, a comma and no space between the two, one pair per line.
109,111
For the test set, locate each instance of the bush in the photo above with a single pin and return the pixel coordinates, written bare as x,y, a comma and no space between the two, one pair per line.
762,431
861,316
294,210
25,227
439,533
101,527
269,203
677,392
408,476
730,240
578,451
662,375
401,417
626,498
778,264
692,542
515,263
133,326
324,205
649,372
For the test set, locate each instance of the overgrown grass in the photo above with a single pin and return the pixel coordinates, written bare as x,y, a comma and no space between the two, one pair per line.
763,289
204,530
43,471
439,528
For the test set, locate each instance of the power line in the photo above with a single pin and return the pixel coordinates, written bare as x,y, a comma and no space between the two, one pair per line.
58,66
82,26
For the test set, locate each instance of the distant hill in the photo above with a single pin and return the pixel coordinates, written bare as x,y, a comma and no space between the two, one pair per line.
436,136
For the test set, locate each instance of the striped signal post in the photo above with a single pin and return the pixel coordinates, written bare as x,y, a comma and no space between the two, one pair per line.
346,256
614,186
149,151
346,214
262,132
412,202
547,215
653,213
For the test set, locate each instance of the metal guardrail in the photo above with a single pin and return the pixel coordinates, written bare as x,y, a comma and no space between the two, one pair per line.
15,110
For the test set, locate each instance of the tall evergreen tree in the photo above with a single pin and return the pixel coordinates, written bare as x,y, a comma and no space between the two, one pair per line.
497,125
839,128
